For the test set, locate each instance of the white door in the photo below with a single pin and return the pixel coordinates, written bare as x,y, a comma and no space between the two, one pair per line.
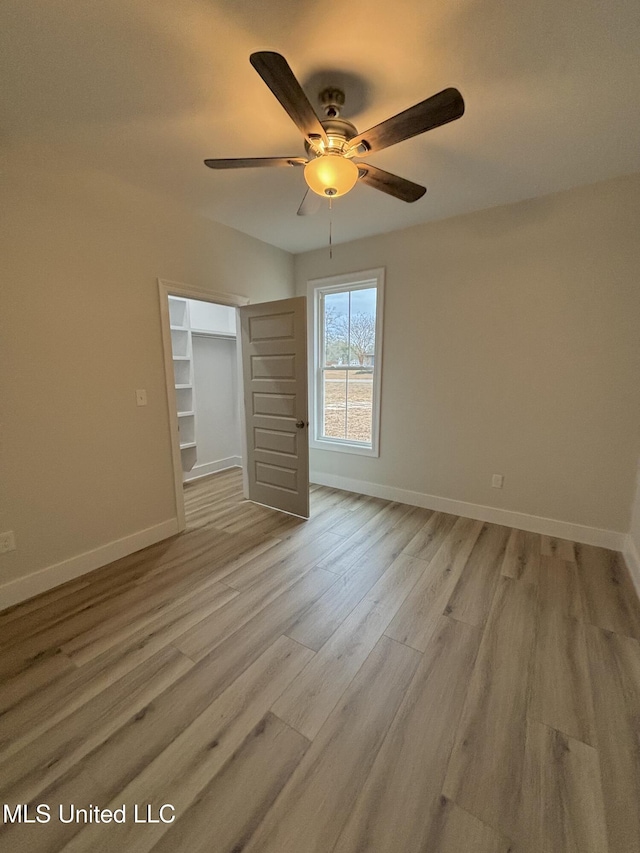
274,367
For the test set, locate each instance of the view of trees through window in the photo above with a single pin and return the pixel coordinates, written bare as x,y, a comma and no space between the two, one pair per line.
349,330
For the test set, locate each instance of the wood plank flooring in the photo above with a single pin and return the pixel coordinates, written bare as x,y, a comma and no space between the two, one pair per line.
377,679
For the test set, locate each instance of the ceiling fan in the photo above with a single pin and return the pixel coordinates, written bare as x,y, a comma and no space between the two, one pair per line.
333,143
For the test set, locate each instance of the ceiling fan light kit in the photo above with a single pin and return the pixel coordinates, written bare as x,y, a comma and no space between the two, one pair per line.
331,144
331,175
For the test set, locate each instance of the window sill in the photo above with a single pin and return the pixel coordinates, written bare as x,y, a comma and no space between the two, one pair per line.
343,447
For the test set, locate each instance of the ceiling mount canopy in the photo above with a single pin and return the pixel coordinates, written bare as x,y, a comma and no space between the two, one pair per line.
333,143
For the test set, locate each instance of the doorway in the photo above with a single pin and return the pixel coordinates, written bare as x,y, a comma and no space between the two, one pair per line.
202,374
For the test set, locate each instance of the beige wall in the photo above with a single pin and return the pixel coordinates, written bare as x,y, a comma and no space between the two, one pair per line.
511,346
80,331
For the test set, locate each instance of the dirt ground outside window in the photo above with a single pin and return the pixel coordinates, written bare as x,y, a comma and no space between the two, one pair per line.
348,404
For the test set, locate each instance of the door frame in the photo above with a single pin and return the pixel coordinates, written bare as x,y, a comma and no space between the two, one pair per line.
166,289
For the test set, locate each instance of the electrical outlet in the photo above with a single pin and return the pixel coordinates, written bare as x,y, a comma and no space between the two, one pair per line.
141,397
497,481
7,542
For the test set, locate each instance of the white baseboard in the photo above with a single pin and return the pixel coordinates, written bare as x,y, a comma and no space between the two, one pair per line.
632,559
23,588
212,467
520,520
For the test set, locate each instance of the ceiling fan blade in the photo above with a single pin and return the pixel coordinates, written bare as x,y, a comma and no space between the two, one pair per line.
251,162
310,204
391,184
276,73
439,109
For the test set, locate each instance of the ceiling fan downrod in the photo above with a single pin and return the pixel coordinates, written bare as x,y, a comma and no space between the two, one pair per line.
332,101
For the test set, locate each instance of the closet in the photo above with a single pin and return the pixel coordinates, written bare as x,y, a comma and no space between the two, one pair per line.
203,342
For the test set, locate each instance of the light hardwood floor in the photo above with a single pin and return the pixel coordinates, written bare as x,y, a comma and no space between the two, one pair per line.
378,679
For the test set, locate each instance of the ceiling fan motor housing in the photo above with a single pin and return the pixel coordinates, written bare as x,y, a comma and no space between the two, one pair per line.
339,131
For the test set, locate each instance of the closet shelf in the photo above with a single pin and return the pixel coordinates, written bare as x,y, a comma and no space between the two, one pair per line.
182,352
206,333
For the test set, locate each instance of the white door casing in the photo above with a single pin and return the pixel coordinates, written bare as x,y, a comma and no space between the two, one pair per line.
274,369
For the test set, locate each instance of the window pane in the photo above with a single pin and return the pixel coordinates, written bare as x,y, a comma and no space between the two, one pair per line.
335,403
361,326
360,405
336,319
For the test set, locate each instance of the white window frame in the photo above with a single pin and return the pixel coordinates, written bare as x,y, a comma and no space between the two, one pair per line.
316,288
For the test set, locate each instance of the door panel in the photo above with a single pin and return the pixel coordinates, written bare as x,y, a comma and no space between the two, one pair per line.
274,368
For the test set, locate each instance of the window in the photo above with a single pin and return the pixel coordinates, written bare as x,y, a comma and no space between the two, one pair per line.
346,336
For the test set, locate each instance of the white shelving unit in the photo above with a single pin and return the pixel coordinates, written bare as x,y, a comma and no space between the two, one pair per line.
182,349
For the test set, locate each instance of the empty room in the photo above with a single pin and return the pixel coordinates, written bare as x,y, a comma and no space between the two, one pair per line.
319,427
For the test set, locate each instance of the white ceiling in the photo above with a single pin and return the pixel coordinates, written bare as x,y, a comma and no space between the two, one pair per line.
144,90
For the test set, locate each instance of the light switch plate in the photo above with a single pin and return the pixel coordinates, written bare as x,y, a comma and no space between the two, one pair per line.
497,481
141,397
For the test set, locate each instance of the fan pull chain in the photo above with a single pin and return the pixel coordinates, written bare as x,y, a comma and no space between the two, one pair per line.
330,236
